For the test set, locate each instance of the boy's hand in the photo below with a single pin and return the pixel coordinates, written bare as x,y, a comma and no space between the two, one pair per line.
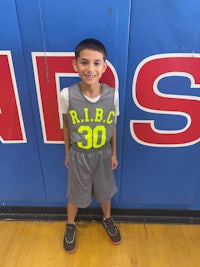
67,161
114,162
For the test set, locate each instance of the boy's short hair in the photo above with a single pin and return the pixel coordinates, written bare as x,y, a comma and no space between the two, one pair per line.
91,44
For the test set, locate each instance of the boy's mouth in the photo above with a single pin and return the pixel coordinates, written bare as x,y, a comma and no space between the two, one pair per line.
90,76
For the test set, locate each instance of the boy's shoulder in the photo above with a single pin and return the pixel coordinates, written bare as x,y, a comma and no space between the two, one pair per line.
108,90
107,87
74,86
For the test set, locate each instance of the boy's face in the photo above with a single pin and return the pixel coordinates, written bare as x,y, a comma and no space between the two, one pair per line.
90,65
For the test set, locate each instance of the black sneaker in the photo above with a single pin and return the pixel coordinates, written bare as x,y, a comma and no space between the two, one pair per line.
69,241
112,231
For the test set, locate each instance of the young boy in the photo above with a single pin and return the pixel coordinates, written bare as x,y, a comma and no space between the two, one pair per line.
90,109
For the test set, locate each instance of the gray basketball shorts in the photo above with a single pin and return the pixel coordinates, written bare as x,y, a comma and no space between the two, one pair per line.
90,176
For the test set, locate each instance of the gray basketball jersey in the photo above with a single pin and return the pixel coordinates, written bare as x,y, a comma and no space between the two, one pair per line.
91,124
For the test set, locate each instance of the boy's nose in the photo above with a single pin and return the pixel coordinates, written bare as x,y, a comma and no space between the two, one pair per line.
90,67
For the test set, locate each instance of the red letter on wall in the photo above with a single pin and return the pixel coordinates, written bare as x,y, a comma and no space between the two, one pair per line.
48,69
148,98
11,122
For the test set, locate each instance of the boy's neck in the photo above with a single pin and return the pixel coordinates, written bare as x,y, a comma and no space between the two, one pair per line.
91,91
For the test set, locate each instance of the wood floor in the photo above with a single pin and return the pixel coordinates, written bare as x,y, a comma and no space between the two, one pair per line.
39,244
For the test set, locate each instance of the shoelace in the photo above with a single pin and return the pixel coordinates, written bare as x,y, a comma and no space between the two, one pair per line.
110,226
70,233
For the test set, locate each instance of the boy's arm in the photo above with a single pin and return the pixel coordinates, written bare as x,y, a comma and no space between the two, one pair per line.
66,138
114,150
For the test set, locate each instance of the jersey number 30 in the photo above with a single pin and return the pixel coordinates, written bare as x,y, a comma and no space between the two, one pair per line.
94,138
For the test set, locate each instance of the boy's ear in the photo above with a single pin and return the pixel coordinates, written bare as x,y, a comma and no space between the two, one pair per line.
74,64
105,65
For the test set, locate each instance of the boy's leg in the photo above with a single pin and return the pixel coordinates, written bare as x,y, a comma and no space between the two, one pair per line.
71,212
106,209
69,241
108,223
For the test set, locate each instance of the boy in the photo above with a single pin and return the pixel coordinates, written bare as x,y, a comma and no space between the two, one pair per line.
90,109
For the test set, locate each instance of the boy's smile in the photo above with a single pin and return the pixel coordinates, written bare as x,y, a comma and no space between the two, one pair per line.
90,65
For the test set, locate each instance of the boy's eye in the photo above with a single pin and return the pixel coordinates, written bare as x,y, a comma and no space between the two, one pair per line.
95,63
83,62
98,63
